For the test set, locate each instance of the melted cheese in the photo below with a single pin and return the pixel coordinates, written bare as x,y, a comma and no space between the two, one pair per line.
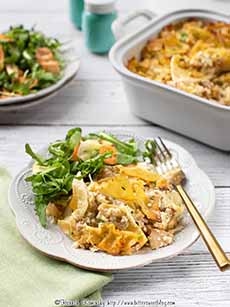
139,172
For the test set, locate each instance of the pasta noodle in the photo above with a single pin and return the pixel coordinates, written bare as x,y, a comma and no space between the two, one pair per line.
120,213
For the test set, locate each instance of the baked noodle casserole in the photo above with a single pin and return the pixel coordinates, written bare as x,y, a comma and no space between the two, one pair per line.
192,55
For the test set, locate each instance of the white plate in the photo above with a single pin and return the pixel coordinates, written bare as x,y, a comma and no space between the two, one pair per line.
54,243
36,101
72,64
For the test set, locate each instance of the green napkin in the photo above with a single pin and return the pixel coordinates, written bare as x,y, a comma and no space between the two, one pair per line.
29,278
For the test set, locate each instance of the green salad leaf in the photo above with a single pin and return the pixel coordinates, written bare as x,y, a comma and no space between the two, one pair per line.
33,155
150,151
73,137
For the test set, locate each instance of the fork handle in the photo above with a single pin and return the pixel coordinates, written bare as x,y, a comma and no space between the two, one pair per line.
214,247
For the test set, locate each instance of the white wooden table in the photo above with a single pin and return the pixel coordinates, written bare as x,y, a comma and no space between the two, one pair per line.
96,100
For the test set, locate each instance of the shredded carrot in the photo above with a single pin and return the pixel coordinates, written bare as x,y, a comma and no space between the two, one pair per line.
75,152
112,160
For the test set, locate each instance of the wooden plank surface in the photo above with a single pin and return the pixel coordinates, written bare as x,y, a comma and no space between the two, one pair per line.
96,100
91,102
188,280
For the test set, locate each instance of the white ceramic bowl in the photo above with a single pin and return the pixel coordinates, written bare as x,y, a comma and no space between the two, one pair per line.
190,115
52,241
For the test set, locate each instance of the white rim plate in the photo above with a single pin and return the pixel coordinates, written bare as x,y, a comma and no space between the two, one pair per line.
72,65
54,243
36,101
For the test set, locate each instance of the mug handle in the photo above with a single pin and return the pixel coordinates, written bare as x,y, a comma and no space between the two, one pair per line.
119,25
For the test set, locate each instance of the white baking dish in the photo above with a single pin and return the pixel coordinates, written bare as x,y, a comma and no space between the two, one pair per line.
185,113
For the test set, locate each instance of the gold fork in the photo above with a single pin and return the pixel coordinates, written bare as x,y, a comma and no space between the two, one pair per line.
168,166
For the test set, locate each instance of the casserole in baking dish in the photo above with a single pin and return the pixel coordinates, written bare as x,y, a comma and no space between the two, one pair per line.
172,107
192,55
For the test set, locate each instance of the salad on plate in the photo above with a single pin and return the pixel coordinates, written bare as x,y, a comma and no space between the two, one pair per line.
29,62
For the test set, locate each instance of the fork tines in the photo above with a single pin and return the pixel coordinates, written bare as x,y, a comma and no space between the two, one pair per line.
164,158
164,151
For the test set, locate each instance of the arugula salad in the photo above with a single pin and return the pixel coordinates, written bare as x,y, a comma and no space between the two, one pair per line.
29,62
79,157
